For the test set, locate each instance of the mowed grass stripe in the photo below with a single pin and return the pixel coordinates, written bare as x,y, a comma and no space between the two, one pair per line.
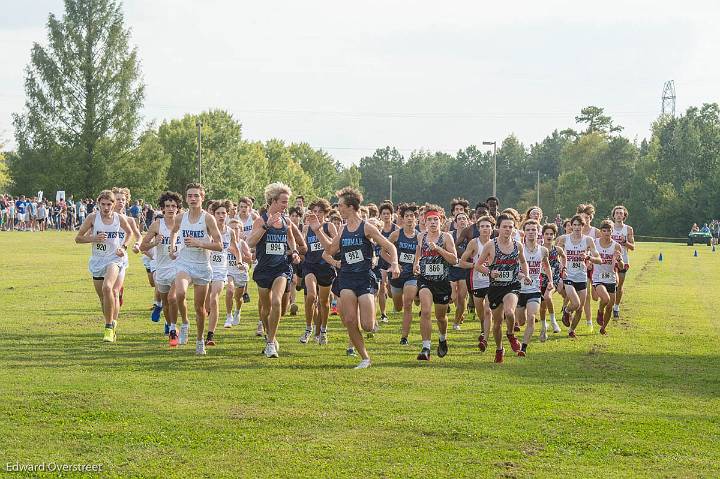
641,402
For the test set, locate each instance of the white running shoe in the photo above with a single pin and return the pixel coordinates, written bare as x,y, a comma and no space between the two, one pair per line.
555,326
228,321
184,333
456,327
277,345
236,318
260,331
270,350
306,336
323,339
200,348
364,364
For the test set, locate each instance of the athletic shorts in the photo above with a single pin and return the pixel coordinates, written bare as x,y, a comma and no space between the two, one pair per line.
164,279
200,273
97,269
148,263
335,288
497,293
265,278
324,273
480,292
441,290
525,298
397,285
360,284
219,274
457,274
239,279
609,287
578,285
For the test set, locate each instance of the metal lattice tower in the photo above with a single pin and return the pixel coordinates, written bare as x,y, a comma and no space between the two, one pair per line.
668,98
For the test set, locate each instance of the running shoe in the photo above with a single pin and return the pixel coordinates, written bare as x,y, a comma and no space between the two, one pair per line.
499,355
442,349
236,318
364,364
383,318
173,339
167,329
210,341
602,331
555,326
271,350
566,318
403,342
456,327
228,321
521,354
109,335
514,343
200,348
482,343
293,309
599,318
306,336
259,331
184,333
155,315
350,352
424,355
543,335
572,334
616,313
246,298
323,339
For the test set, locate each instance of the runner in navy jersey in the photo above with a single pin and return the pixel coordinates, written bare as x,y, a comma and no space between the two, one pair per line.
458,275
388,227
404,286
357,283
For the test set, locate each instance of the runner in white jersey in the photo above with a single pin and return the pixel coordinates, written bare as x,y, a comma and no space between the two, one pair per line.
237,277
587,211
246,216
219,263
531,295
579,249
558,263
158,238
109,234
200,235
604,275
625,235
122,199
479,281
150,263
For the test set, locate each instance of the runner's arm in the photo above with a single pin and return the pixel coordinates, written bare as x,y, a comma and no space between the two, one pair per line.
215,243
258,230
82,235
630,241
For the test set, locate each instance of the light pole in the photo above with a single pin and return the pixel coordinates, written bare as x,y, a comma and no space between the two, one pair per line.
390,176
494,145
198,124
538,188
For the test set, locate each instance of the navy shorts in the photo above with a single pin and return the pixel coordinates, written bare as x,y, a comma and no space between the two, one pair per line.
265,278
360,283
480,292
526,298
457,274
441,290
324,273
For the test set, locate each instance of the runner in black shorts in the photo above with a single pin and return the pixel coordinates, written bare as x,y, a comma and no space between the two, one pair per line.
507,267
434,254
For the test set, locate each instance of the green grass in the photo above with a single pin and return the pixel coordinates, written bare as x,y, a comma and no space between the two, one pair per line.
641,402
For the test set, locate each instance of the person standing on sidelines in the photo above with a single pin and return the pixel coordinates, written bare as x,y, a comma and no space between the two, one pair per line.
158,239
625,236
357,284
503,259
273,242
434,254
200,235
580,249
604,277
531,294
109,233
479,281
219,263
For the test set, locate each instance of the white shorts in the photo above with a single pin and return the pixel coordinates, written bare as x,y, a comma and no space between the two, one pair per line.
220,274
239,279
164,279
98,267
200,273
148,263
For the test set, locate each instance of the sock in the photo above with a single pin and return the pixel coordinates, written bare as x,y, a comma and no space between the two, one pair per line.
158,304
616,307
323,330
552,317
109,326
442,337
426,344
172,327
308,329
523,347
544,324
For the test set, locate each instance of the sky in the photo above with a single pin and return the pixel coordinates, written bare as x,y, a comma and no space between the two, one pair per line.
352,77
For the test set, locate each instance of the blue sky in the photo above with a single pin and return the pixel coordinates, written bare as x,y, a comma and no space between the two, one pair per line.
351,77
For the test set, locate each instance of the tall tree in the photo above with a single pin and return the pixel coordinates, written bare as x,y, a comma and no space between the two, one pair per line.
83,94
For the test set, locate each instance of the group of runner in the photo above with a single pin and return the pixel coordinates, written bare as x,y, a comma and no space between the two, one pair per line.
347,258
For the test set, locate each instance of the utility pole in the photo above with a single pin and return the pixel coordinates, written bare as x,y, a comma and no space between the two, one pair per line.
198,123
390,176
494,145
538,188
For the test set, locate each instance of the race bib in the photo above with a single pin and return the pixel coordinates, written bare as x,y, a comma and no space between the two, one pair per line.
100,247
355,256
504,276
317,246
275,248
576,265
434,269
407,257
232,263
216,258
607,275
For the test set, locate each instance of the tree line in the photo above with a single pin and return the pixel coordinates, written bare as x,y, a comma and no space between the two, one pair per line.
81,131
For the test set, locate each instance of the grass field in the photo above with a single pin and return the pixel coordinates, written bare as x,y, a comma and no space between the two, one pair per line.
640,402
